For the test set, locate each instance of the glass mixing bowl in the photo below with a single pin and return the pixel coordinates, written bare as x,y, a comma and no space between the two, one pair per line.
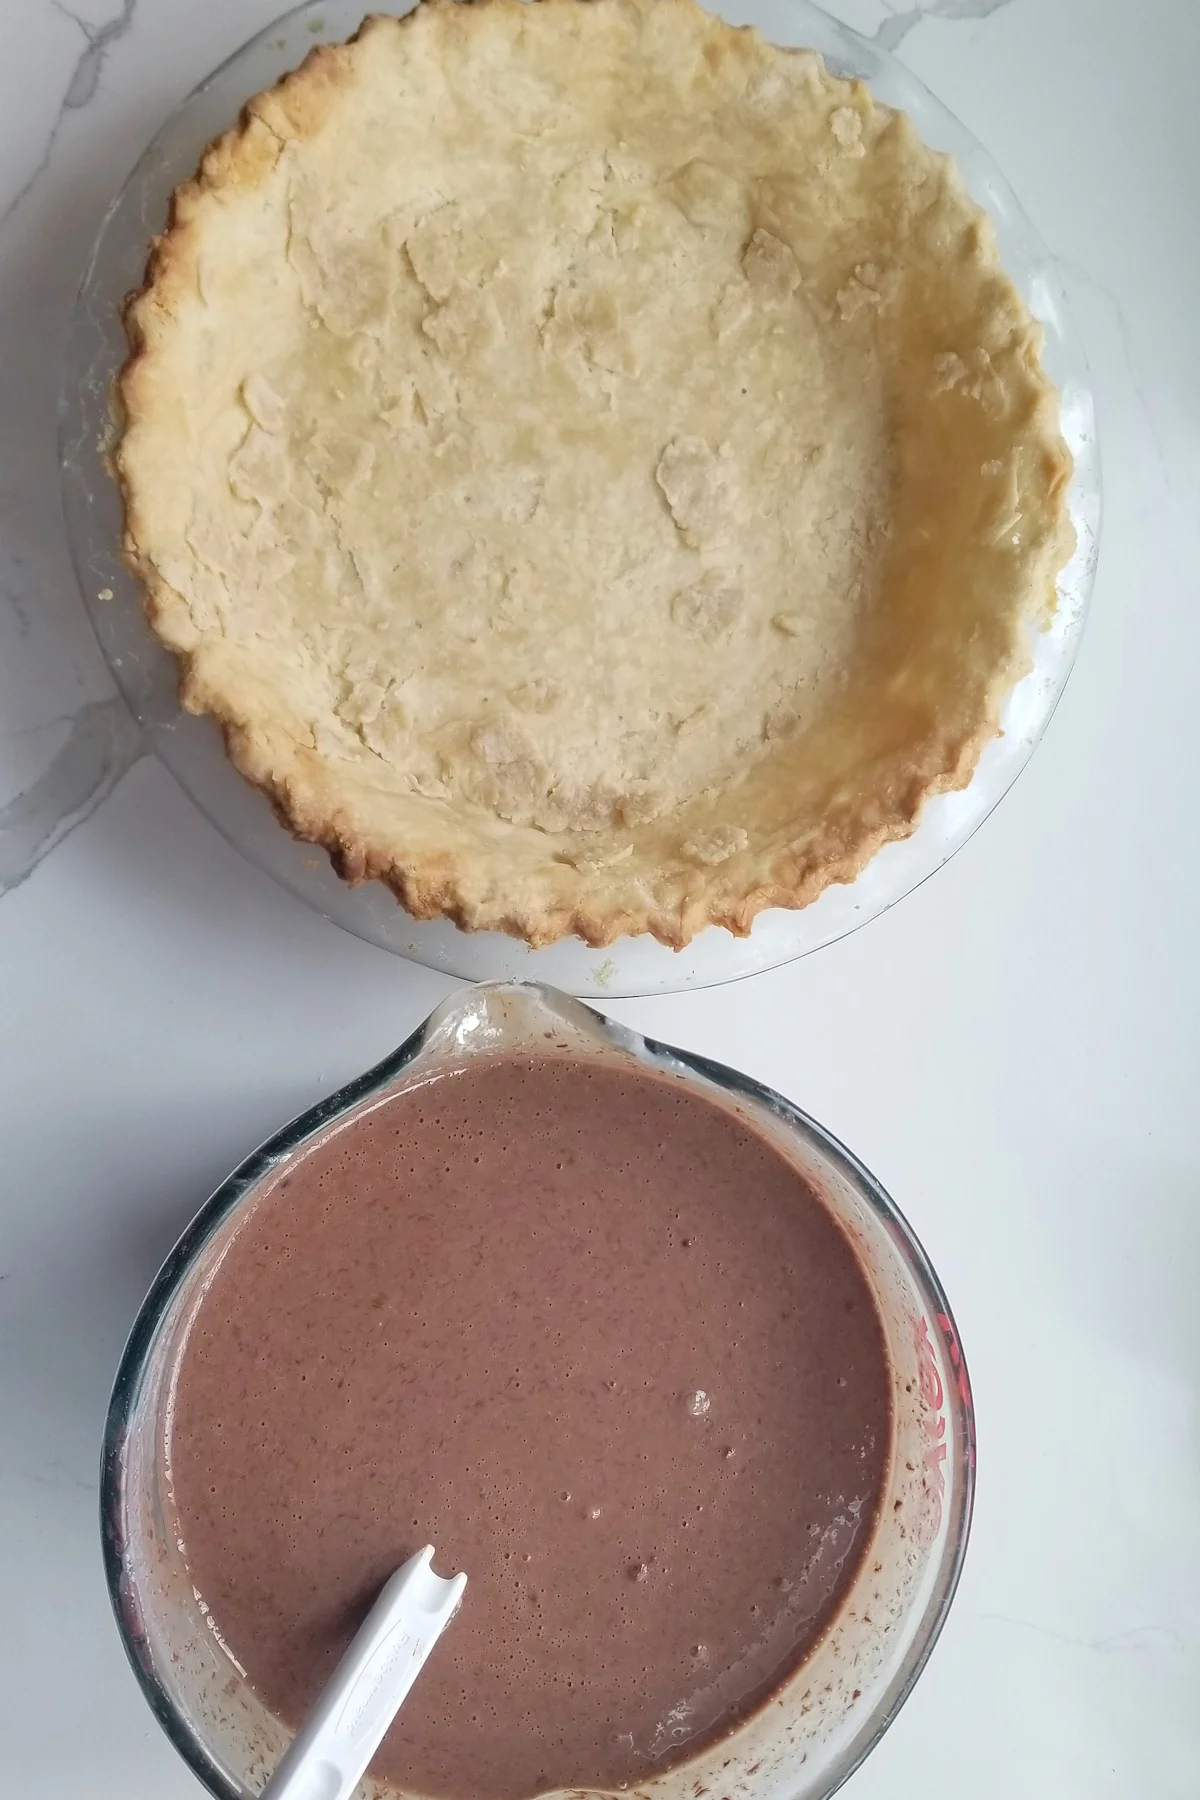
191,748
835,1707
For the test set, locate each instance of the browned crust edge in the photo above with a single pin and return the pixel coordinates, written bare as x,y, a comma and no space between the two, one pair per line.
430,887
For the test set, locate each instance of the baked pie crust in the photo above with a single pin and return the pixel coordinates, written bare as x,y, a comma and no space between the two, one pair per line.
591,463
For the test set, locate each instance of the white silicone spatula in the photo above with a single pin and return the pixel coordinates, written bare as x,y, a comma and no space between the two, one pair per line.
329,1754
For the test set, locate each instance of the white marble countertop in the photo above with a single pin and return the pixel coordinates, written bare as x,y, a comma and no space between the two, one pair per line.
1015,1049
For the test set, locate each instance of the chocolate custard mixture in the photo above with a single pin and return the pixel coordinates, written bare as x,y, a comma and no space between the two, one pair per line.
592,1337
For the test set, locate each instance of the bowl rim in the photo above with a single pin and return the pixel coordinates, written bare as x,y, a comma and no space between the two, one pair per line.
224,1202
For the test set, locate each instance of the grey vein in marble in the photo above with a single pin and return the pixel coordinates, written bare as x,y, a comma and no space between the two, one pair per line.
894,29
15,602
104,742
1077,272
82,85
1138,1639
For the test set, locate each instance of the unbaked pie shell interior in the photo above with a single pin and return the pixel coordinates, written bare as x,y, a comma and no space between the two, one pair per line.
591,463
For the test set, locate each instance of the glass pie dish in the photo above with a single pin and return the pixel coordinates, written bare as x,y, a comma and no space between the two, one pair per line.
835,1706
192,749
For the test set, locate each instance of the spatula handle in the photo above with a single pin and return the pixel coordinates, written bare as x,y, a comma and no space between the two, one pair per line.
328,1756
